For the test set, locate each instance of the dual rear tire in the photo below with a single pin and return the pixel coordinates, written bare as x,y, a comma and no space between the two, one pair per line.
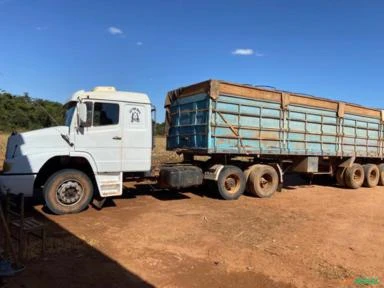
372,175
231,182
259,180
263,181
354,176
381,174
357,175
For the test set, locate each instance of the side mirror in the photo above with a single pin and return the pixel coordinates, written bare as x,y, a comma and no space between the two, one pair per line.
82,114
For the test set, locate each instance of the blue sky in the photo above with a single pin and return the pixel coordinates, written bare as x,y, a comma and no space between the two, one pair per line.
332,49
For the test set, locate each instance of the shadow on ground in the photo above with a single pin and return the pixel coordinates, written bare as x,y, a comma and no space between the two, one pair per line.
69,262
292,181
72,261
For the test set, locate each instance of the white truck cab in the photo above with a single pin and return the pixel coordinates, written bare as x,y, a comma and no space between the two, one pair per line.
106,133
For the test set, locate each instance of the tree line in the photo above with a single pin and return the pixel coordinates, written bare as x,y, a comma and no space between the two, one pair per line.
22,113
25,113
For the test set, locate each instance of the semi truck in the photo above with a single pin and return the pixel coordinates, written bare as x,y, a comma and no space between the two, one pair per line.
249,137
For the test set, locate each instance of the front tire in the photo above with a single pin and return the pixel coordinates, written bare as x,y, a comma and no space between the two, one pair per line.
68,191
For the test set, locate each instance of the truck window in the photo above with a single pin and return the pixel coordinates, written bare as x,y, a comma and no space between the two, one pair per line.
69,113
89,114
105,114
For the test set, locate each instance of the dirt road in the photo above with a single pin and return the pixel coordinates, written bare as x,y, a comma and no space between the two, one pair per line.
307,236
313,236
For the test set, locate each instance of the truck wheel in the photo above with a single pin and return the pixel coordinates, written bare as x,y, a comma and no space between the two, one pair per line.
68,191
340,176
231,182
354,176
263,181
372,175
381,174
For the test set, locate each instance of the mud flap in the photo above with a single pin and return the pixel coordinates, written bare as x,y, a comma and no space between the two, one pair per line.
98,202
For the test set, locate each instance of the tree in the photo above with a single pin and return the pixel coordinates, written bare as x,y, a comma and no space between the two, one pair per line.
24,113
160,129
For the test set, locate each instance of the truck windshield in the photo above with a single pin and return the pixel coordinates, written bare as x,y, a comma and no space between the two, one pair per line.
69,113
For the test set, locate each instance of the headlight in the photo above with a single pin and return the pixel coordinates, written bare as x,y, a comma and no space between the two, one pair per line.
7,166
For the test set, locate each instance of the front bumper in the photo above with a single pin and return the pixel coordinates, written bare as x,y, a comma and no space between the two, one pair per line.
16,184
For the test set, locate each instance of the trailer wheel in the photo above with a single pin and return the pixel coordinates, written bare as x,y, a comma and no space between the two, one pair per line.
248,171
372,175
231,182
340,176
354,176
263,181
381,174
68,191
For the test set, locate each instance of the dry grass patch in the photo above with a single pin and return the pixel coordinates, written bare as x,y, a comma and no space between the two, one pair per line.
3,145
160,155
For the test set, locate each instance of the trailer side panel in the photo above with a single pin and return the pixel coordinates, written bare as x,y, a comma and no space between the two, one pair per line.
217,122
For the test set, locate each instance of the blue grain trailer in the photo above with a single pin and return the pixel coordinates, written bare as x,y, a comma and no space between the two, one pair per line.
253,135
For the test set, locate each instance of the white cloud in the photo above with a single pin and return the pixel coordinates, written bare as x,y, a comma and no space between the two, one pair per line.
246,52
115,31
41,28
139,43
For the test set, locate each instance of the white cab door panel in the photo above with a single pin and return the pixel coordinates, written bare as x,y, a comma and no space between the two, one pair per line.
137,137
103,139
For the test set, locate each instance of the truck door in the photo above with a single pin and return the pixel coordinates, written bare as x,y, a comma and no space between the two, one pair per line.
137,137
102,139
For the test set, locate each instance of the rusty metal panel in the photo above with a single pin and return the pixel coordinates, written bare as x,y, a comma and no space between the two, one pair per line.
340,109
189,123
249,120
284,101
215,88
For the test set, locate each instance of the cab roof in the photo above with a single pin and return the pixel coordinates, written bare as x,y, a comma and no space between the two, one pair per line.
109,93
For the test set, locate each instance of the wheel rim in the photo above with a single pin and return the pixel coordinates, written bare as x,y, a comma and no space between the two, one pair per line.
69,192
266,182
373,175
232,183
357,176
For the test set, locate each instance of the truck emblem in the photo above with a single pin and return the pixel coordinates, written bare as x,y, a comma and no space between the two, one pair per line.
135,114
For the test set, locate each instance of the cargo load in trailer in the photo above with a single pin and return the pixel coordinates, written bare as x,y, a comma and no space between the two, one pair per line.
249,137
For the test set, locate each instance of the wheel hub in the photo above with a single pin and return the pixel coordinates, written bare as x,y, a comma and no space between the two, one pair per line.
69,192
231,184
265,181
357,175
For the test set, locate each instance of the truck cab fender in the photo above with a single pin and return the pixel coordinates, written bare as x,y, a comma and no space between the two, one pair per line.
54,163
88,157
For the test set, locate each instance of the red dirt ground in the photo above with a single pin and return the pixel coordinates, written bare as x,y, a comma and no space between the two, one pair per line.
313,236
307,236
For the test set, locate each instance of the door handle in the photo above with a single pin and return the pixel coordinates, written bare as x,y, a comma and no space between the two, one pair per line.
116,138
